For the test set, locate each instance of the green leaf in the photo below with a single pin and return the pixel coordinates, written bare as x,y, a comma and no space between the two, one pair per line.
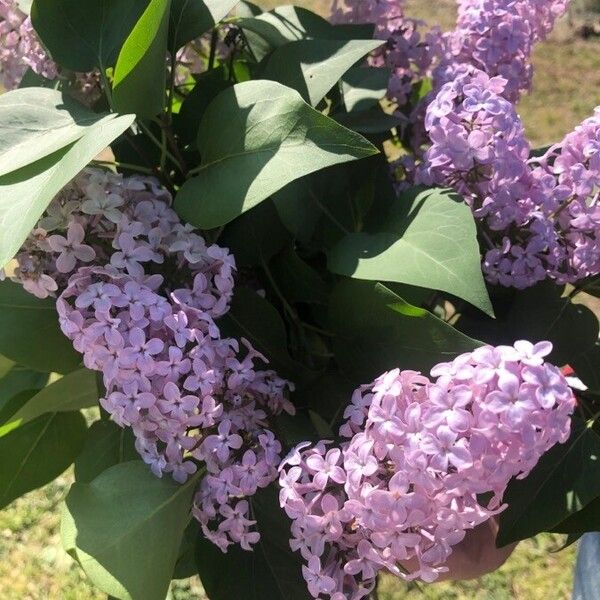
299,215
433,245
587,368
377,331
33,455
272,571
35,122
29,332
539,313
368,121
364,87
9,407
74,391
256,236
83,35
587,519
268,136
25,194
186,558
313,67
566,480
209,85
18,379
257,320
191,18
140,74
298,281
287,24
17,385
106,445
125,528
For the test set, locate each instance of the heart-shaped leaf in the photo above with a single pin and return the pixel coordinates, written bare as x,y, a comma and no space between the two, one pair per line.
286,24
106,445
433,244
313,67
191,18
364,87
15,380
377,330
35,122
83,35
125,528
270,138
25,194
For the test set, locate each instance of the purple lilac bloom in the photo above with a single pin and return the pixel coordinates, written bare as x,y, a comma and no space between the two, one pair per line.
409,53
20,48
144,315
497,37
539,217
408,487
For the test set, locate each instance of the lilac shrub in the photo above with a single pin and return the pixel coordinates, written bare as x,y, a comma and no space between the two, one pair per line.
420,455
139,296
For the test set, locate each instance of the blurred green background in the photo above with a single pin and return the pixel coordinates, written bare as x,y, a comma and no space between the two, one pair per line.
33,565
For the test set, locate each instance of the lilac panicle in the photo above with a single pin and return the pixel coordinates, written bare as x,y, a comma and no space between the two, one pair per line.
407,483
140,295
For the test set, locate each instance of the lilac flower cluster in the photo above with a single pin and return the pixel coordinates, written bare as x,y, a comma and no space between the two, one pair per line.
407,52
140,294
497,37
408,483
20,48
540,218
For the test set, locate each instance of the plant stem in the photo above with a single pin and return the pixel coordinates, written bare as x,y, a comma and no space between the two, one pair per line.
106,87
291,312
167,130
161,175
327,213
162,147
123,165
562,207
214,40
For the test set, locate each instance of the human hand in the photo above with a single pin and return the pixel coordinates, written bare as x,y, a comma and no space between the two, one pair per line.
475,556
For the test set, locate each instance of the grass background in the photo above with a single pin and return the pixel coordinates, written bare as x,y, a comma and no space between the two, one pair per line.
33,565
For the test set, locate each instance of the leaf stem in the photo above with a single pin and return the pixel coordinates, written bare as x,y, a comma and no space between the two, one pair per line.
123,165
162,147
288,308
327,212
161,175
167,129
106,87
214,40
